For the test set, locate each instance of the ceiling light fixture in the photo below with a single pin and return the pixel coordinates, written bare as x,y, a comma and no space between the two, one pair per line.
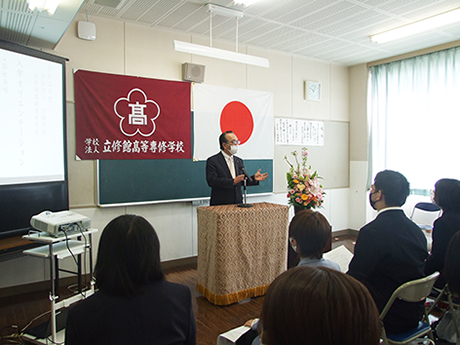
222,54
43,5
417,27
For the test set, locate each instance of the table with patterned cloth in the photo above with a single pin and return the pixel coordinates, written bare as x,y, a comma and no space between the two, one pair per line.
240,250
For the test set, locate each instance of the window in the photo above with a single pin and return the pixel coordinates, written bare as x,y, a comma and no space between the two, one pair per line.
414,117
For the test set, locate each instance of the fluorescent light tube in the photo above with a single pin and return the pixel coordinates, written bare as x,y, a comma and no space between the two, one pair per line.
417,27
220,54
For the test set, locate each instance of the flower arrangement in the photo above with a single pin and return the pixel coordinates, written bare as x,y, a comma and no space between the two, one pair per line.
305,191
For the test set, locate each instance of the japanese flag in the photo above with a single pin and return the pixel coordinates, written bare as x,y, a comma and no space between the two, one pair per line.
249,114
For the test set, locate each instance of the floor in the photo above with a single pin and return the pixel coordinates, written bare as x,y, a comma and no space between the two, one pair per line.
17,312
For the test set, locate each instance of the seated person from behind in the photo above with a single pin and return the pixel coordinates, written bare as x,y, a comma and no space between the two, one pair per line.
447,196
390,251
309,232
134,304
318,306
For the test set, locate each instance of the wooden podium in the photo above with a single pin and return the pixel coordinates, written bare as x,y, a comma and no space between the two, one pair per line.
240,250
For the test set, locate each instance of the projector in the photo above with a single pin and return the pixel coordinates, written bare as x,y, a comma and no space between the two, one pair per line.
53,222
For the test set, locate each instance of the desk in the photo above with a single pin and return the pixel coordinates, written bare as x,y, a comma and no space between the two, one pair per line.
240,250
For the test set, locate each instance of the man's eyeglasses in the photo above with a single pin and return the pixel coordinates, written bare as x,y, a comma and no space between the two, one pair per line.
234,142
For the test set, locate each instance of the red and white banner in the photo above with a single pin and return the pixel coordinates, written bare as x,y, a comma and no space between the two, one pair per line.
249,114
124,117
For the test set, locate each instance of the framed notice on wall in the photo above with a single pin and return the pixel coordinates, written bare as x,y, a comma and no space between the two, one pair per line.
299,132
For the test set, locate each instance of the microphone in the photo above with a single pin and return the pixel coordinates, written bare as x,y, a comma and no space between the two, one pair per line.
246,174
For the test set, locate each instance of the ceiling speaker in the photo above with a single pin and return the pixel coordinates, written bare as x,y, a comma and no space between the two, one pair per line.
193,72
86,30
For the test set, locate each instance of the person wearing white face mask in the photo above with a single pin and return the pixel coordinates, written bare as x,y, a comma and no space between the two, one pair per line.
390,251
309,232
225,172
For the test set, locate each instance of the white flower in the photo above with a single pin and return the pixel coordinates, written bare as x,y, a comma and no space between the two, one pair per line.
315,187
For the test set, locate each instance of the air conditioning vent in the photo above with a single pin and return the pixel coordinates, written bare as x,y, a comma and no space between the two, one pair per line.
116,4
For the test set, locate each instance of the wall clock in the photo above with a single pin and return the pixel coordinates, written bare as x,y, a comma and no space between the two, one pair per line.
313,91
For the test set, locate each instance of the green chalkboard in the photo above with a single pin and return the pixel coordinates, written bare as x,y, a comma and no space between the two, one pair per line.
143,181
164,180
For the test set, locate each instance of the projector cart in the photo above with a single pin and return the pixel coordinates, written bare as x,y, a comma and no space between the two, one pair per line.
56,248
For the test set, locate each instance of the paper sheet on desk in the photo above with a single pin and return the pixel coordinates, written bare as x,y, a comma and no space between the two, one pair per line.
341,255
232,335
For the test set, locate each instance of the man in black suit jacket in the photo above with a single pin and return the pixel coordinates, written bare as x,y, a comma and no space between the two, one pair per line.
390,250
226,184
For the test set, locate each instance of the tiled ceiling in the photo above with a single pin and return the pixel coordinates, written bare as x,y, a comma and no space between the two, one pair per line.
33,28
335,31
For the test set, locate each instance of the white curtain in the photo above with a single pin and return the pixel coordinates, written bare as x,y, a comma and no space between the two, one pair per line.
414,109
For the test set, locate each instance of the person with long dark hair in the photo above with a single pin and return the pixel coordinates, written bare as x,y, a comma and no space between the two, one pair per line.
447,196
134,304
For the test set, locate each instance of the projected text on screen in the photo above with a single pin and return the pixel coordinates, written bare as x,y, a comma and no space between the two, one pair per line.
31,121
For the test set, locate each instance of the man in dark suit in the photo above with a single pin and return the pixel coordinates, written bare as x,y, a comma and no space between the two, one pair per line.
225,172
390,250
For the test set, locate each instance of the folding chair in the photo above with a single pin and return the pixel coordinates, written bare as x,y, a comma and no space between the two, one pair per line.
426,208
413,291
445,296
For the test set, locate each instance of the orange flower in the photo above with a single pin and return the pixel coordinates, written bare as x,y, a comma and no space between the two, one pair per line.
304,197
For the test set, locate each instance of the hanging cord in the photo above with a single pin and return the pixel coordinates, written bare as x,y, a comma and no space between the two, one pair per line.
236,39
210,29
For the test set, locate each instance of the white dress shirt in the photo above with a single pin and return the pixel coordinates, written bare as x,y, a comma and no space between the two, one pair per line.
230,163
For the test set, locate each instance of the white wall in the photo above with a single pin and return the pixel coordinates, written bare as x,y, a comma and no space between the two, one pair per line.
138,50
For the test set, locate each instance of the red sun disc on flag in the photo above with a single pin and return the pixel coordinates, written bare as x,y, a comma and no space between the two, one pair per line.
237,117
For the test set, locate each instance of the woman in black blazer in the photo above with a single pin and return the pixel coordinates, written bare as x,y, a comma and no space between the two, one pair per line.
134,304
446,196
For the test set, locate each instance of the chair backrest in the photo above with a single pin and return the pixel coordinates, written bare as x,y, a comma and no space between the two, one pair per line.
412,291
428,207
427,214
